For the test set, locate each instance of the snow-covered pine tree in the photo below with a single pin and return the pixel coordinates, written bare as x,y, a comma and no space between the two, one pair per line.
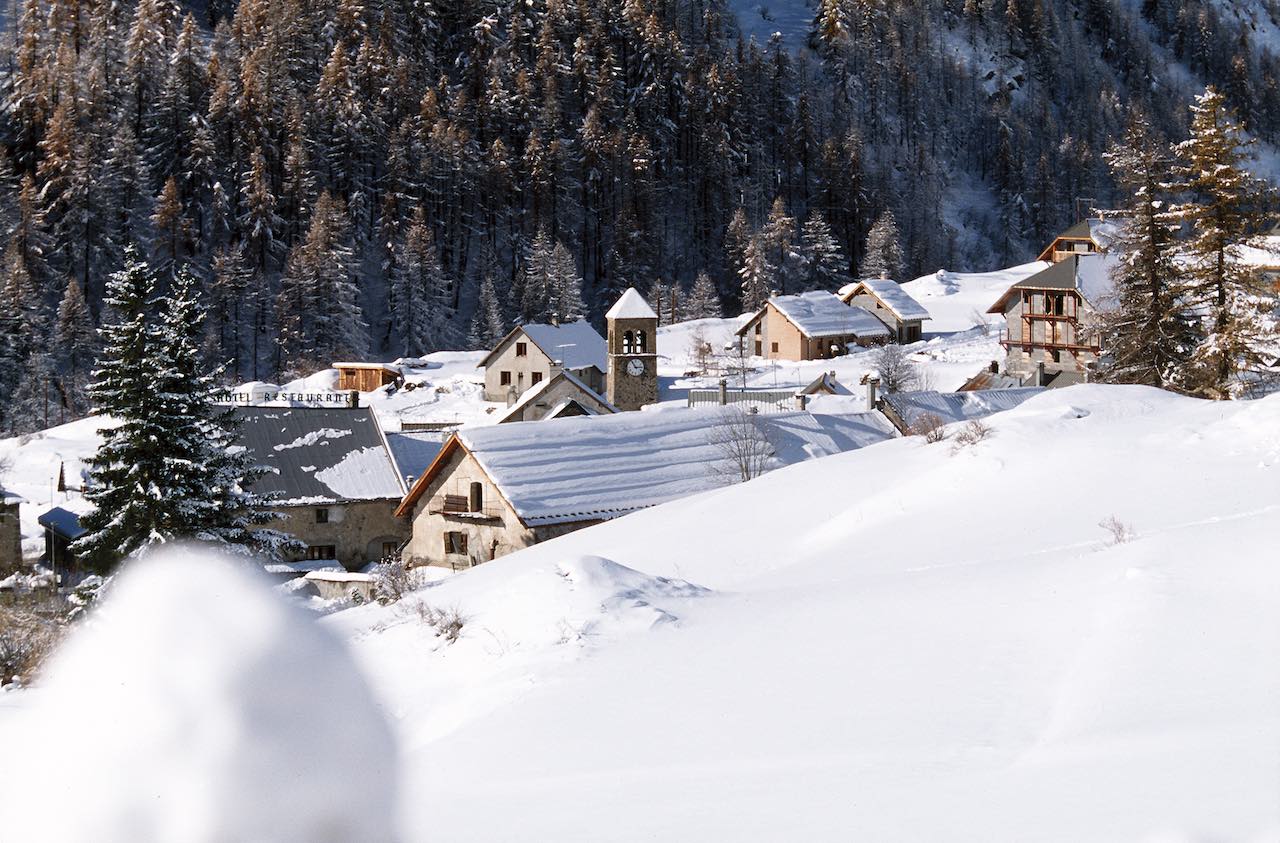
757,276
1224,207
702,300
487,326
421,294
778,237
565,302
660,300
882,257
825,266
36,402
1147,330
129,474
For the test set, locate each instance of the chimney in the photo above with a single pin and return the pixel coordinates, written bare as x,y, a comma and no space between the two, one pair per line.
802,401
353,399
724,392
994,368
1040,373
873,384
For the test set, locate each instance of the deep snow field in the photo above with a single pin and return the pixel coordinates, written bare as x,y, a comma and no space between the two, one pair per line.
906,642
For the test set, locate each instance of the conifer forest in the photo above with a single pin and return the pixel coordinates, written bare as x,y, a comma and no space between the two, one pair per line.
384,178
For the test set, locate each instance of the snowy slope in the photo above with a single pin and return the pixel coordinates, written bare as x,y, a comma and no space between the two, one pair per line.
910,642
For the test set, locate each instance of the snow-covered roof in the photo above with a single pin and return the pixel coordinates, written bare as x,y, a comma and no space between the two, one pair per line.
1090,274
957,406
821,314
385,367
63,522
532,393
582,469
575,344
318,455
8,498
631,306
890,294
412,451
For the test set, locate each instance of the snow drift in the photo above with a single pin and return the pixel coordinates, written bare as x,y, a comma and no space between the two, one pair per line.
197,706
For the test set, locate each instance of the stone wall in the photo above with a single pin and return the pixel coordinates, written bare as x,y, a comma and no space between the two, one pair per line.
357,530
10,537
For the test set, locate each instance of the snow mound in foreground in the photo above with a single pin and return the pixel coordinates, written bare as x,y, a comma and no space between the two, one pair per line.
197,706
624,594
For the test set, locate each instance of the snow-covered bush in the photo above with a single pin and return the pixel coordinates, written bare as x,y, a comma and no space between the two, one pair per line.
27,637
392,580
973,432
930,426
447,623
1121,533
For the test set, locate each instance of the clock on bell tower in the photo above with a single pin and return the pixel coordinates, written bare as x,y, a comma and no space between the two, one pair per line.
633,355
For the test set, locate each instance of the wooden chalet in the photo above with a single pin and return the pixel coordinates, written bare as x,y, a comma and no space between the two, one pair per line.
810,326
365,377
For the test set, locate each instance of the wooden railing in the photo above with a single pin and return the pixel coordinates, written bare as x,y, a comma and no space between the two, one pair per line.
458,506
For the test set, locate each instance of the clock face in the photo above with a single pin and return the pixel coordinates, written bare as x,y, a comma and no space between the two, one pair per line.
635,368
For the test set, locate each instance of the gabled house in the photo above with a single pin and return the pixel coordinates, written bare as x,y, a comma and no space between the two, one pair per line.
10,531
885,299
562,396
1047,317
809,326
531,354
493,490
1087,237
333,479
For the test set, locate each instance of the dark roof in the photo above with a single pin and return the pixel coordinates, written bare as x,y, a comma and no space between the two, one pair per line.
414,450
1059,276
987,379
63,522
1080,231
318,454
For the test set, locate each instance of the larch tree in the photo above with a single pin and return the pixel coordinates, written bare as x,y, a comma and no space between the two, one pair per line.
1147,329
421,292
1224,207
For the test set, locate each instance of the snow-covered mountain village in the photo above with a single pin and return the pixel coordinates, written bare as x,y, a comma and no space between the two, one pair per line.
502,421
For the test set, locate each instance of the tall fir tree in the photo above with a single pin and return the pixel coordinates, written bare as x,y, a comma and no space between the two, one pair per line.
882,257
824,265
702,301
487,325
757,276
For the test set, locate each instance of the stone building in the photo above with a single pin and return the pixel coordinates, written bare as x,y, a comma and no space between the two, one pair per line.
333,478
1047,319
562,396
633,352
887,301
809,326
496,489
530,354
10,531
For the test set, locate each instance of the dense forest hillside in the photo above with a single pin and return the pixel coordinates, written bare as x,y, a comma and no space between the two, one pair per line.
388,177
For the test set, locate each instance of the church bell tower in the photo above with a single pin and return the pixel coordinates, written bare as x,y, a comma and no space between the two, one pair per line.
633,353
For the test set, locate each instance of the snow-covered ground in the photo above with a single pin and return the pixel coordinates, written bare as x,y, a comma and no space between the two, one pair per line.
907,642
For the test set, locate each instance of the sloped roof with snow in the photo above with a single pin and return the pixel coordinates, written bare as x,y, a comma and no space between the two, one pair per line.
575,344
957,406
631,306
316,455
532,394
1089,274
585,469
821,314
890,294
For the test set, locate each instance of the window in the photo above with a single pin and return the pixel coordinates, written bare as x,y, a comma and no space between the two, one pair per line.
628,342
322,551
455,543
504,378
389,548
322,516
641,342
773,347
536,377
759,349
522,349
475,496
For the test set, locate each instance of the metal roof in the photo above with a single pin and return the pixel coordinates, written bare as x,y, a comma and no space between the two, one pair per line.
414,450
62,522
316,455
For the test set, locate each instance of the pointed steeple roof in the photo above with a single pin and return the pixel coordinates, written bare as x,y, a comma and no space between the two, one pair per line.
631,306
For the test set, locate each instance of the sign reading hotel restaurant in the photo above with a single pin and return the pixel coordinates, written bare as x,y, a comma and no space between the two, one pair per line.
270,395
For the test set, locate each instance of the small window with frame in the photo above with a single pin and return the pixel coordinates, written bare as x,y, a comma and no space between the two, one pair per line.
535,378
322,515
455,543
504,378
317,552
522,349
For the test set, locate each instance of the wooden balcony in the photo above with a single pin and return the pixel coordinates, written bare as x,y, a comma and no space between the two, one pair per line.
458,506
1042,345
